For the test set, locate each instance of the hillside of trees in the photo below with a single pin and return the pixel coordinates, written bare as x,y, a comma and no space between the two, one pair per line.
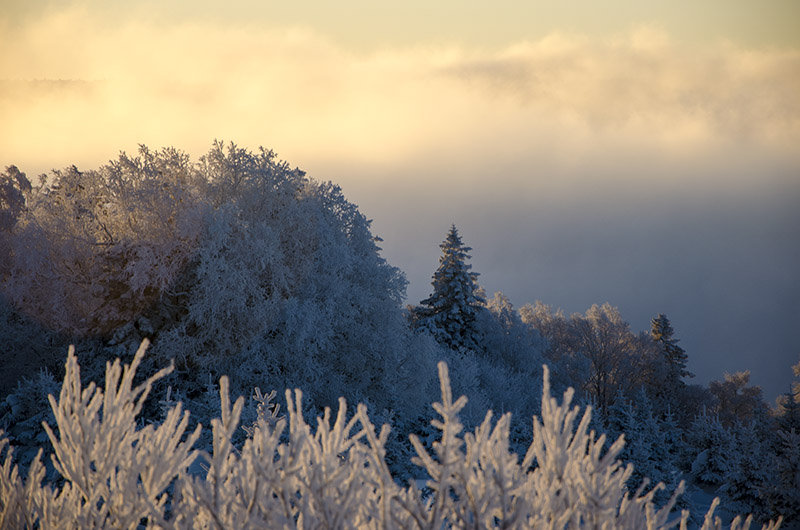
238,266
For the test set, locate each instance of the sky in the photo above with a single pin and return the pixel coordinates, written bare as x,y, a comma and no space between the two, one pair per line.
638,153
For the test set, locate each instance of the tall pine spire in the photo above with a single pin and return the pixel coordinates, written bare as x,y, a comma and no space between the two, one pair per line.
449,312
674,355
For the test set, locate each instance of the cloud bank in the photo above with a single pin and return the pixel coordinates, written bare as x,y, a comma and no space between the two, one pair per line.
636,169
307,97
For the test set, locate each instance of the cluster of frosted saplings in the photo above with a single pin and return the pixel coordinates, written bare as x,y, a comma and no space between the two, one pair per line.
116,475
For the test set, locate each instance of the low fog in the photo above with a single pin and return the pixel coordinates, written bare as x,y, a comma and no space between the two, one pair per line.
658,177
719,264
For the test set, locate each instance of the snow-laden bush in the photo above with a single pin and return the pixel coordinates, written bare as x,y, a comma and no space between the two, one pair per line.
118,474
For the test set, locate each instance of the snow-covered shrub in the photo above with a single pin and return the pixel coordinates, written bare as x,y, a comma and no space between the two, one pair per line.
23,411
117,474
114,473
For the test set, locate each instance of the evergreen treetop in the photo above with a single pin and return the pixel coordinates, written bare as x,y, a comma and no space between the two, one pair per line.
675,356
449,312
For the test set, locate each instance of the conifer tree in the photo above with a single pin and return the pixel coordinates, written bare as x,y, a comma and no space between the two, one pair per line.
668,386
781,493
648,446
674,355
713,449
449,312
750,473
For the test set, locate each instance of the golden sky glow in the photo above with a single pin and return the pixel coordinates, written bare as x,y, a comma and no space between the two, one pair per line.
583,128
159,76
364,24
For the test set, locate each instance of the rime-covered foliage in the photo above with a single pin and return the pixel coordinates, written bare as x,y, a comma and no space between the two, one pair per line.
93,247
745,483
235,264
449,313
712,449
652,445
736,401
781,493
596,352
14,185
115,473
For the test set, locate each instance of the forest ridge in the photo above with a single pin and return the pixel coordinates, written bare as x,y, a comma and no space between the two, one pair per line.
238,265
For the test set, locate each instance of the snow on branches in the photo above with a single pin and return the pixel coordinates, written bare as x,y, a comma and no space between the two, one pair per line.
114,473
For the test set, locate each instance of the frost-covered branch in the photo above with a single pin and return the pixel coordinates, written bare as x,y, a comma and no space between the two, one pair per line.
115,475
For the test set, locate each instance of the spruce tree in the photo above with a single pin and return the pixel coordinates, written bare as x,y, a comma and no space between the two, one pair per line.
674,355
713,449
669,385
750,473
449,312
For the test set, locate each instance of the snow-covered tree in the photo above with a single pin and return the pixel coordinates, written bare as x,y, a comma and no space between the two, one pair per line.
94,248
568,369
788,404
662,332
712,449
782,492
595,352
14,186
788,412
749,472
236,264
649,447
449,313
507,340
736,401
668,382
